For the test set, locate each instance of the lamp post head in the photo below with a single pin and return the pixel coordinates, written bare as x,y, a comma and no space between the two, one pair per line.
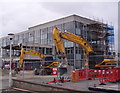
11,36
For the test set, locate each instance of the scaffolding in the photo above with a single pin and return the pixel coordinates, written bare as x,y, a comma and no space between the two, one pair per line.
98,35
101,38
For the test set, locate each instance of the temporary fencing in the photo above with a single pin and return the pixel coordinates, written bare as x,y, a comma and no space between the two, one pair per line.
110,75
104,75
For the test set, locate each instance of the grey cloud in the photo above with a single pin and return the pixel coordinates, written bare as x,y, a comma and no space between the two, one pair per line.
17,17
108,11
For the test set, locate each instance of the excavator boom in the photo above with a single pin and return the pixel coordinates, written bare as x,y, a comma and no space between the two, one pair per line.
70,37
21,58
58,41
78,40
29,52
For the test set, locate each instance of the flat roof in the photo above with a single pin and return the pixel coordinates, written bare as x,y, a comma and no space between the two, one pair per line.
64,20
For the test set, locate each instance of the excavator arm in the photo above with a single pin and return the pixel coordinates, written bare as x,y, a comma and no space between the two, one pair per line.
58,36
29,52
21,58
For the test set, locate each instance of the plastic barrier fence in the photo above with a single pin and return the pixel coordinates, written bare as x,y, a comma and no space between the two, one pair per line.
107,75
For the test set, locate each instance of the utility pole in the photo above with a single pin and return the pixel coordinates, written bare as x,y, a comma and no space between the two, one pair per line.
10,72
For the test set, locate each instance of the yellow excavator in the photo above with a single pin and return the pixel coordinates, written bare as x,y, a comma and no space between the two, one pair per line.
107,63
25,51
60,49
46,67
64,67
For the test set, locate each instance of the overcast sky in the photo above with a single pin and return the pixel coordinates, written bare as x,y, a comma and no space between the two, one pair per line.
18,16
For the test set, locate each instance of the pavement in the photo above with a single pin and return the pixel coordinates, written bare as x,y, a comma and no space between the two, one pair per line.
4,81
81,85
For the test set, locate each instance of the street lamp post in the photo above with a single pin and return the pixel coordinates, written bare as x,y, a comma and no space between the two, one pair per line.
10,72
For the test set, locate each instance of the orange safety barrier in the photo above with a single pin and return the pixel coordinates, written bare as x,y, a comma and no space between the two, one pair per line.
106,75
75,76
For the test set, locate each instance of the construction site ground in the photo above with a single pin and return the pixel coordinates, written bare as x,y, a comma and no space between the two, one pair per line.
81,85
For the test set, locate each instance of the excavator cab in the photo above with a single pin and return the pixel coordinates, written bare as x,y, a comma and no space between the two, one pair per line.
94,59
101,62
47,61
47,65
106,63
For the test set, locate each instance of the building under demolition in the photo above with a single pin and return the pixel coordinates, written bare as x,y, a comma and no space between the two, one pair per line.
99,35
